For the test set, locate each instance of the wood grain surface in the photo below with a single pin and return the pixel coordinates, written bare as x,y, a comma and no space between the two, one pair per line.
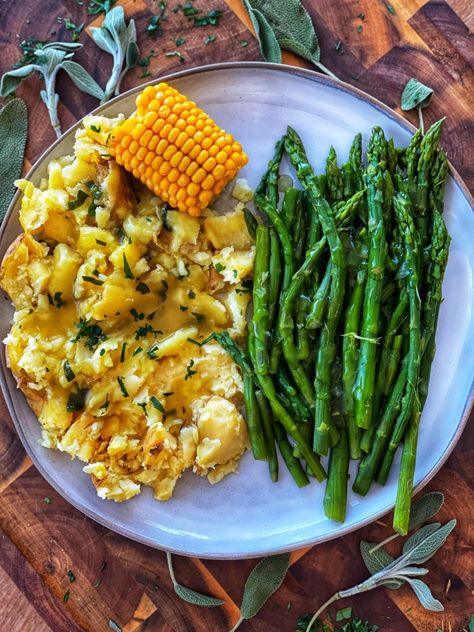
127,583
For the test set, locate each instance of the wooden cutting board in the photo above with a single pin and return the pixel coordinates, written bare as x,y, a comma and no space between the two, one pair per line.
119,580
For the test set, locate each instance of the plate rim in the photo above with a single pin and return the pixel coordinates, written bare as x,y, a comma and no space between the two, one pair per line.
121,529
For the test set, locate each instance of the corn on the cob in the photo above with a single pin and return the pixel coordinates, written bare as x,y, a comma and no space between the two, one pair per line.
176,149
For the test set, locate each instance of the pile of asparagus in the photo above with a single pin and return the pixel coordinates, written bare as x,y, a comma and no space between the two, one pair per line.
346,295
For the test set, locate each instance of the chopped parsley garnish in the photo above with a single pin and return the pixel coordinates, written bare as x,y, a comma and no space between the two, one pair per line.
122,353
76,401
126,268
106,404
199,317
71,576
96,194
219,267
154,26
143,406
47,500
359,28
179,41
244,43
210,39
189,371
58,301
143,288
101,352
361,16
157,404
188,9
91,332
137,351
96,129
100,242
191,294
99,6
66,596
136,315
151,353
194,342
92,280
211,19
50,299
68,372
168,393
143,331
338,46
122,386
79,201
175,53
235,273
183,308
390,9
70,26
114,626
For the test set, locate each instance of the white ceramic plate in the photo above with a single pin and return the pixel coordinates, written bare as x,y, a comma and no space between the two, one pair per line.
247,515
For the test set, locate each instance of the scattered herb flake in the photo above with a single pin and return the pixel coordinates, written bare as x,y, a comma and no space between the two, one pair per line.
99,6
95,128
359,28
71,576
244,43
183,308
154,26
47,500
164,290
219,267
122,353
143,331
175,53
100,242
179,41
143,288
143,407
121,382
92,280
194,342
211,19
126,268
106,404
114,626
361,16
338,46
168,394
157,404
199,317
137,351
343,613
79,201
189,371
66,596
92,332
210,39
137,316
191,294
68,372
70,26
76,401
391,9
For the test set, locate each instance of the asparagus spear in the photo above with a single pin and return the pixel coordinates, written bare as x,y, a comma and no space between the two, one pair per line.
335,495
320,300
259,322
334,179
288,208
402,207
355,160
364,383
274,278
297,404
326,352
254,424
350,353
267,424
291,462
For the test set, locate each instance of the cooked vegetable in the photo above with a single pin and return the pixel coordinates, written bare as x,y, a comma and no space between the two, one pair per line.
176,149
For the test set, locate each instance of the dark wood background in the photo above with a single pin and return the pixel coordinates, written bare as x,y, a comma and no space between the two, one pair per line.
119,580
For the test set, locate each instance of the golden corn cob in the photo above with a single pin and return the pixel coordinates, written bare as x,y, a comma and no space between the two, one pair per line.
176,149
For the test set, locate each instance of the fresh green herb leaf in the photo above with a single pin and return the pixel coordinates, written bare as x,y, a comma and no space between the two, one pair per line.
191,294
154,26
183,308
137,316
209,39
92,280
95,128
58,301
194,342
471,624
122,353
66,596
68,372
267,39
99,6
265,578
211,19
121,382
188,595
425,508
106,404
92,332
137,351
143,331
79,201
71,576
179,41
143,407
126,268
13,134
338,46
70,26
47,500
244,43
100,242
390,9
359,28
157,404
361,16
219,267
168,394
189,371
415,95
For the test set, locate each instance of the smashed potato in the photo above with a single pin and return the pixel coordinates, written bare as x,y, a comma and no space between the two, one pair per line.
113,296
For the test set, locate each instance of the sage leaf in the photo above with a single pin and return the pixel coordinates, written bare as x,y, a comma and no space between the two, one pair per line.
13,134
65,46
269,46
377,561
82,79
428,547
424,595
12,79
415,95
420,535
103,40
263,581
196,598
470,625
425,508
133,55
292,26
